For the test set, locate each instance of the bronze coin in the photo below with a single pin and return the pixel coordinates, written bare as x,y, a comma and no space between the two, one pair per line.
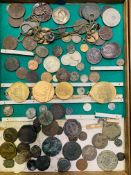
51,129
15,22
22,146
10,135
21,73
105,33
11,64
32,77
99,141
16,10
83,136
62,75
10,43
81,164
29,43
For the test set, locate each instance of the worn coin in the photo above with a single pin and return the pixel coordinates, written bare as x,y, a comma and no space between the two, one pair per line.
32,76
10,43
111,131
89,152
69,110
51,64
94,56
8,163
57,51
10,135
60,130
31,113
111,106
15,22
64,90
41,51
51,146
22,157
118,142
35,151
63,75
51,129
38,59
57,110
80,26
84,78
81,164
105,33
11,64
46,118
111,17
71,150
74,76
8,110
16,10
100,141
31,165
71,48
46,76
107,160
80,66
81,90
61,15
43,108
21,73
27,134
72,128
43,163
32,64
99,42
29,43
94,77
87,107
83,136
37,125
23,146
120,62
120,156
8,150
63,165
76,38
84,47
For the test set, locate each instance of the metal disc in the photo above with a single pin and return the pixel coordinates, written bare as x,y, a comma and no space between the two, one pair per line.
105,33
16,10
41,51
32,76
29,43
81,164
15,22
35,151
22,147
89,152
118,142
10,43
51,129
46,118
57,51
94,56
62,75
8,110
12,64
43,163
31,165
74,76
63,165
10,135
100,141
83,136
58,111
21,73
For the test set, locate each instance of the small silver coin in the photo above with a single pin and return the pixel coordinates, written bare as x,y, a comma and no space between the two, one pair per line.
74,76
71,48
31,113
89,152
111,106
99,141
8,110
41,51
81,90
94,56
80,66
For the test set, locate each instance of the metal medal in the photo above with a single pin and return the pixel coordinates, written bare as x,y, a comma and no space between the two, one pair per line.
57,51
118,142
71,48
94,77
12,64
8,110
72,150
105,33
29,43
46,118
10,43
15,22
99,141
43,163
80,26
107,160
31,113
74,76
51,129
31,165
81,164
63,165
41,51
83,136
35,151
10,135
21,73
32,76
89,152
8,163
51,146
61,15
120,156
16,10
22,147
94,56
63,75
58,111
81,90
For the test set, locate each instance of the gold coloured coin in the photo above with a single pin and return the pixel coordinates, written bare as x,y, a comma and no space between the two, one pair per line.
43,91
64,90
103,92
84,47
18,92
93,38
46,76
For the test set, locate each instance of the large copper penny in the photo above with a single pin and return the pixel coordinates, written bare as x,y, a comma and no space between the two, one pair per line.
16,10
10,43
81,164
15,22
51,129
29,43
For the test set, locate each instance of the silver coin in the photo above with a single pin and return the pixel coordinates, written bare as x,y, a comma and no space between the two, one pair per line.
99,141
57,51
89,152
107,160
104,8
80,66
38,59
94,77
74,76
94,56
31,113
43,108
87,107
80,26
111,106
71,48
8,110
41,51
81,90
84,78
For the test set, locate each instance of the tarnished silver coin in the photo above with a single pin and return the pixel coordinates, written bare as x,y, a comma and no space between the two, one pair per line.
69,110
83,136
29,43
46,118
32,76
80,26
71,48
74,76
81,90
31,113
111,50
38,59
94,56
80,66
107,160
21,73
43,108
99,141
89,152
41,51
12,64
57,51
105,33
8,110
63,165
16,10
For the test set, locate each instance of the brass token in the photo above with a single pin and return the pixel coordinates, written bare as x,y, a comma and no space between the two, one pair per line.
32,64
84,47
8,150
18,92
10,43
43,91
64,90
103,92
46,76
93,38
81,164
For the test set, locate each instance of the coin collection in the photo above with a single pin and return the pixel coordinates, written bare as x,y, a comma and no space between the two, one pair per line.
35,38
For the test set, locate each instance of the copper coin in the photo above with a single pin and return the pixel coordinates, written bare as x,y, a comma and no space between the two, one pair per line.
16,10
32,77
57,110
94,56
12,64
42,51
83,136
105,33
99,42
84,47
10,43
32,64
81,164
21,73
63,75
57,51
29,43
94,77
46,76
15,22
51,129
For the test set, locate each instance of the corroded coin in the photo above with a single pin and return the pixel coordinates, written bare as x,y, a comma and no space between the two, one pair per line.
38,59
51,146
10,135
74,76
8,150
21,73
46,76
63,165
57,51
111,131
41,51
63,75
31,113
94,77
64,90
80,66
46,118
72,128
22,157
32,64
83,136
120,62
81,164
107,160
16,10
27,134
43,163
32,76
100,141
51,129
120,156
89,152
8,110
80,26
11,64
94,56
118,142
8,163
15,22
99,42
71,48
10,43
72,150
31,165
105,33
23,146
35,151
29,43
43,91
58,111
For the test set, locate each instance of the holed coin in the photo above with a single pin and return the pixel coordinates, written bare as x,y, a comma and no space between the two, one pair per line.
58,111
46,118
8,110
11,64
63,75
94,56
89,152
57,51
16,10
10,135
32,76
63,165
21,73
29,43
81,90
10,43
35,151
51,130
15,22
87,107
43,163
41,51
81,164
51,146
74,76
105,33
8,163
100,141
